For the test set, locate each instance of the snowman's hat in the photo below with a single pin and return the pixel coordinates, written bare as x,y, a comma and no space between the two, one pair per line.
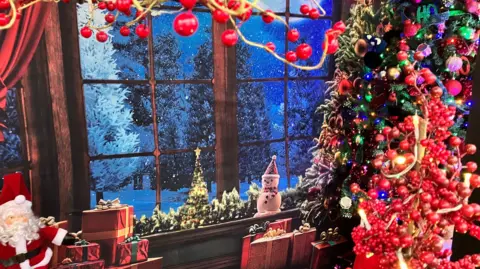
272,167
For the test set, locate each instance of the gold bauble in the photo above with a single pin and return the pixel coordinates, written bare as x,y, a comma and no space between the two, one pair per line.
361,48
393,73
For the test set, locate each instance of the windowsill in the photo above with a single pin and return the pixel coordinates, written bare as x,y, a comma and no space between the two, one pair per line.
169,239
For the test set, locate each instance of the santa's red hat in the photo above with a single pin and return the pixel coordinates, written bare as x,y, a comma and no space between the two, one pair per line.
15,192
272,167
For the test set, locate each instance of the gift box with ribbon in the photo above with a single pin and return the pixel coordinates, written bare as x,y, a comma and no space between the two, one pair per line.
108,225
284,224
59,252
255,232
69,264
83,251
325,251
271,251
152,263
302,246
133,250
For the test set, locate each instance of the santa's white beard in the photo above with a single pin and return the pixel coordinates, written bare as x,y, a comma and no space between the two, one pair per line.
20,231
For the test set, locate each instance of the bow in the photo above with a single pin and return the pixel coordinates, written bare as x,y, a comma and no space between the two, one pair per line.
254,229
304,228
48,221
274,233
330,235
82,242
131,239
109,204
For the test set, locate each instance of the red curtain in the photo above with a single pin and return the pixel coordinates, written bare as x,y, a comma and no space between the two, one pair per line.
17,46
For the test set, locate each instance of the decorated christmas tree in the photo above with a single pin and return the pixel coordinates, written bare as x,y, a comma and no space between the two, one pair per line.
196,209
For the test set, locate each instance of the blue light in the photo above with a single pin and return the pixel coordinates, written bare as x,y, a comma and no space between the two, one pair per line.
382,194
439,35
377,121
368,76
469,103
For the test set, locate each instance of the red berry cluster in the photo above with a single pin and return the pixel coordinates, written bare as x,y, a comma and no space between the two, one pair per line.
440,118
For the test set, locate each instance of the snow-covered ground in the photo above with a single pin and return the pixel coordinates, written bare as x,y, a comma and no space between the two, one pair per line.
144,200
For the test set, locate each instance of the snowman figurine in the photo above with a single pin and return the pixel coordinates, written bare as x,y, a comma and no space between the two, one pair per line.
269,200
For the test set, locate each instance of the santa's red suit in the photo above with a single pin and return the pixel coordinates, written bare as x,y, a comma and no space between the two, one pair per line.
22,254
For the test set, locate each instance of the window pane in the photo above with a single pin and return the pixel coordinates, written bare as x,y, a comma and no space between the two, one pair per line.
304,97
273,5
253,62
132,180
312,32
178,57
327,5
118,119
118,58
177,175
260,111
11,148
254,160
300,158
185,116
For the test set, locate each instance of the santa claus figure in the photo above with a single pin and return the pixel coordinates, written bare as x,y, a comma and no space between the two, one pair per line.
23,238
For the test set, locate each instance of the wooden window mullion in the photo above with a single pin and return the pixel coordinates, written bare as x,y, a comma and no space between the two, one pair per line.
285,98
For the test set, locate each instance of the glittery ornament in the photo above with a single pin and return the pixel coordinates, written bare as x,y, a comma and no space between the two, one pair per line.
453,87
466,32
454,63
345,87
393,73
361,48
410,29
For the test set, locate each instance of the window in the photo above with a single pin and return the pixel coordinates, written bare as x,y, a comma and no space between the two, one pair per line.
150,102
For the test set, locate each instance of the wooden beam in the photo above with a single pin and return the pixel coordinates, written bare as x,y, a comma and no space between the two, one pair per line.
76,112
226,129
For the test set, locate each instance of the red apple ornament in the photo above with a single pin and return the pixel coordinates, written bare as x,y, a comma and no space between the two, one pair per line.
185,24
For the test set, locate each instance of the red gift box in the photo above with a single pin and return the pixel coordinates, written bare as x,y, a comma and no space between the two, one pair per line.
83,253
59,252
324,251
152,263
269,252
132,252
302,248
364,262
283,224
247,240
108,228
99,264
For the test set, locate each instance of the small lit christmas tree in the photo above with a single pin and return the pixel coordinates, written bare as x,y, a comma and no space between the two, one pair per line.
196,209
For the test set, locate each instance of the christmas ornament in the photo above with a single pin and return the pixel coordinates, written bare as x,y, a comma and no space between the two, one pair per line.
454,63
229,38
418,56
270,46
109,18
314,14
185,24
426,12
473,6
304,51
269,200
346,202
424,49
304,9
372,60
454,87
466,32
376,44
220,16
410,29
86,32
188,4
293,35
393,73
101,36
123,5
267,16
361,48
291,56
124,31
345,87
142,31
332,46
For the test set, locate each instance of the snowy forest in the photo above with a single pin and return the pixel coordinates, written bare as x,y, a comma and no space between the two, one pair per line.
119,116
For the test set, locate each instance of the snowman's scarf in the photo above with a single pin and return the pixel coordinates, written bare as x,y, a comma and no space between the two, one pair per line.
273,190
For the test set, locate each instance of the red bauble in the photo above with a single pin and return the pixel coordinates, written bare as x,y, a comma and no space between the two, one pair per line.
461,227
345,87
406,241
379,138
314,14
386,131
354,188
304,51
102,36
247,14
430,79
86,32
391,154
427,257
332,46
454,87
101,5
293,35
4,4
418,56
109,18
373,194
125,31
304,9
220,16
433,217
229,38
471,149
140,14
142,31
455,141
475,181
267,16
402,56
377,163
404,145
186,24
270,46
3,19
291,56
468,211
384,184
426,197
123,5
436,92
471,167
410,80
111,6
188,4
415,215
339,26
392,97
402,191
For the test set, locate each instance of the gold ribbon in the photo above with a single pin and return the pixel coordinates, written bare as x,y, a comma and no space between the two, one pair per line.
93,236
48,221
330,235
274,233
304,228
109,204
67,261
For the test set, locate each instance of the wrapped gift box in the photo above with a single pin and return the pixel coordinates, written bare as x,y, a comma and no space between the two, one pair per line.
246,241
324,252
85,252
282,224
152,263
99,264
269,252
132,252
108,228
302,248
364,262
59,252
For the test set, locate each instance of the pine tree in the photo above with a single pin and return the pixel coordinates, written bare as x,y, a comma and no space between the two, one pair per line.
195,211
108,117
11,148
